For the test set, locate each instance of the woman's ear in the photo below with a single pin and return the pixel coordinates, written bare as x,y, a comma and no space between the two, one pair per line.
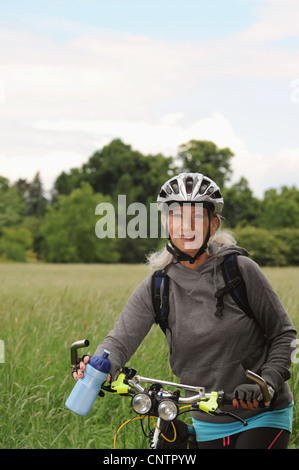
215,223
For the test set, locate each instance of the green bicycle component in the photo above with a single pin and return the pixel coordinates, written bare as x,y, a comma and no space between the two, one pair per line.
211,405
118,386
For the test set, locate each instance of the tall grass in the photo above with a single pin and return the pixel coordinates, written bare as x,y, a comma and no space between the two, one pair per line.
43,309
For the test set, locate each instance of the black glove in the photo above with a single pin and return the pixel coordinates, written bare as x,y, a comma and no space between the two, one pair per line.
250,392
77,366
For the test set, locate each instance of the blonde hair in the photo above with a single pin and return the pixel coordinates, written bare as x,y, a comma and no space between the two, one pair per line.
161,258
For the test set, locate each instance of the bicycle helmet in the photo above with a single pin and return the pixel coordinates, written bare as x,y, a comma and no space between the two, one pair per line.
190,188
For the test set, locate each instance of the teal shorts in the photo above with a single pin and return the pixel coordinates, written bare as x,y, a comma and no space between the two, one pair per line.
281,419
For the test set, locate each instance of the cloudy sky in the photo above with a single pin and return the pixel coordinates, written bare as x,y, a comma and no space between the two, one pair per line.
74,74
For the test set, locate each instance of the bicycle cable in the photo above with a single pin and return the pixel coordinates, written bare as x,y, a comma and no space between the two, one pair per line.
161,434
129,421
141,418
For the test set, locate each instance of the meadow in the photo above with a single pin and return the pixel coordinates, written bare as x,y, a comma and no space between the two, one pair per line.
46,307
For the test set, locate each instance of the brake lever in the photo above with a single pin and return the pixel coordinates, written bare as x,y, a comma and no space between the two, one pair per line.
119,386
108,388
232,415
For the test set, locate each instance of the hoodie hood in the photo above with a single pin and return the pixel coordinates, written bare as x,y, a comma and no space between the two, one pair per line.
188,279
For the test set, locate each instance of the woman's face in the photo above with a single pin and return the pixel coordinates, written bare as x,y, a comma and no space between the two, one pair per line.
188,227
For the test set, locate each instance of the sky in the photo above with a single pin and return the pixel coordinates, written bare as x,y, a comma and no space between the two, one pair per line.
75,74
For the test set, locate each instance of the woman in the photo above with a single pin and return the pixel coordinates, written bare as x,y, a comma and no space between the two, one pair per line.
208,349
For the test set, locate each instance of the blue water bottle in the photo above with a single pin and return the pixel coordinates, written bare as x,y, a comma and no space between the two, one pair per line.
86,389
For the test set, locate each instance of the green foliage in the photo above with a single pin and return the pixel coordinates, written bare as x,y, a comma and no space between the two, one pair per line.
63,228
15,244
117,169
241,207
289,244
205,157
12,207
280,209
69,230
34,224
270,248
21,207
33,196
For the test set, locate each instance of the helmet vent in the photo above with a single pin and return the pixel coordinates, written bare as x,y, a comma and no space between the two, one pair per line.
175,186
189,185
203,187
216,195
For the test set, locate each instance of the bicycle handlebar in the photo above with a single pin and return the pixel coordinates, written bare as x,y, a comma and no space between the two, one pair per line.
201,393
128,383
74,351
210,402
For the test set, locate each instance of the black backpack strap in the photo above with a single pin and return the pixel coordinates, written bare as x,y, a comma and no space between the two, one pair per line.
160,293
234,284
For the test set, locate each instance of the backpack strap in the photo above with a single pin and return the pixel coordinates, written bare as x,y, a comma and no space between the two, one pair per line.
160,293
234,284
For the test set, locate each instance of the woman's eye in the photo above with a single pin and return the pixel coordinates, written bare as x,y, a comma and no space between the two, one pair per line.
192,217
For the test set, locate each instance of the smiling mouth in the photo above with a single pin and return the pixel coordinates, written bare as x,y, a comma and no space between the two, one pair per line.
187,239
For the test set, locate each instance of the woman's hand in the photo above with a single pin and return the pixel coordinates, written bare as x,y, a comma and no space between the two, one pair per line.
248,396
78,373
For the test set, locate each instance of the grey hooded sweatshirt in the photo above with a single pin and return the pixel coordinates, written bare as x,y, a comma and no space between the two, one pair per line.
207,350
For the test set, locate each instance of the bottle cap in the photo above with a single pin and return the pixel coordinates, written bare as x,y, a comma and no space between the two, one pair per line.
101,362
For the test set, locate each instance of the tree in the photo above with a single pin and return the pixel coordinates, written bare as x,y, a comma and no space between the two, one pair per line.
66,182
12,207
240,206
15,244
33,195
280,208
69,230
205,157
118,169
263,246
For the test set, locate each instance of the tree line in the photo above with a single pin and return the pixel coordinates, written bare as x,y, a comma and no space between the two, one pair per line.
60,228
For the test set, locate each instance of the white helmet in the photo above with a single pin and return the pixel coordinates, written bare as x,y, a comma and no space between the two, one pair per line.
191,187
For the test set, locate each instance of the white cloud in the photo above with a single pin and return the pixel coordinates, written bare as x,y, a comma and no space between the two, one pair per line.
63,100
262,170
49,165
276,19
166,134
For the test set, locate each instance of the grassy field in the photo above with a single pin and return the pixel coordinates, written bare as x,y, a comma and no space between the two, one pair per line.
43,309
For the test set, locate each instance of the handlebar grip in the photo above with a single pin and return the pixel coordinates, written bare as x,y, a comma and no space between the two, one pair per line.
261,382
77,345
227,398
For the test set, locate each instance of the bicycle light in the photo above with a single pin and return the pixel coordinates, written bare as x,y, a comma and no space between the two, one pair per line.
141,403
167,410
